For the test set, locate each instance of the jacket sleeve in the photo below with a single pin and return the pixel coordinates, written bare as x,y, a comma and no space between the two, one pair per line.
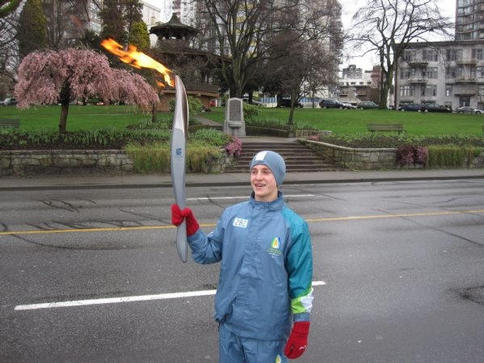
300,271
207,248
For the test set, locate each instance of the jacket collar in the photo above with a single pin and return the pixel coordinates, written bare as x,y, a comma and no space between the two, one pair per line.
276,204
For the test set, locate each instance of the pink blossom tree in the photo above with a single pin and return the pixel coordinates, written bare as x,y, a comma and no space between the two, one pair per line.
51,77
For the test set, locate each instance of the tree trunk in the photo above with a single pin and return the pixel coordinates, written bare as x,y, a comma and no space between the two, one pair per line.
153,113
64,99
63,117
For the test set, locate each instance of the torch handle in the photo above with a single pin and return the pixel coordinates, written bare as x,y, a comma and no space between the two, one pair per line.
181,242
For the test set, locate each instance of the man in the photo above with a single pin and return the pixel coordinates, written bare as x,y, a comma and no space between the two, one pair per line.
264,291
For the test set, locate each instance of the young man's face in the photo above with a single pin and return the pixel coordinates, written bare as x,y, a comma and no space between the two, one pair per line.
263,183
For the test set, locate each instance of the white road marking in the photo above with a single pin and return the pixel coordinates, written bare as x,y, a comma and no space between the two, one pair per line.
125,299
245,197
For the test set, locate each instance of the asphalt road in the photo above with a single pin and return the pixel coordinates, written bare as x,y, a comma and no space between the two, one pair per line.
92,275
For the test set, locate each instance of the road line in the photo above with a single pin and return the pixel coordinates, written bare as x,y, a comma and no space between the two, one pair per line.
124,299
309,220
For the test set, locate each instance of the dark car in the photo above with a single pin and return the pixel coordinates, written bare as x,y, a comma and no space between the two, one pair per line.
468,109
329,103
9,101
433,107
410,107
367,105
286,102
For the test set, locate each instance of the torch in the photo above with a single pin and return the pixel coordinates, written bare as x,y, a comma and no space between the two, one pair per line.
178,141
138,59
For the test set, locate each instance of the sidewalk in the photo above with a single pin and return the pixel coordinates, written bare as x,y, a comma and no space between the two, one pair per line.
192,180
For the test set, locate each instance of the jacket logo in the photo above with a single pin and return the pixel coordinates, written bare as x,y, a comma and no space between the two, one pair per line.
240,222
275,249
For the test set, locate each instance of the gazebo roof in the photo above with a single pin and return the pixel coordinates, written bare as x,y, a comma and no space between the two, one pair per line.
173,28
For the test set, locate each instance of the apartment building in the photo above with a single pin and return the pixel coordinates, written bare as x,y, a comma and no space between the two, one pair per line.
469,20
447,73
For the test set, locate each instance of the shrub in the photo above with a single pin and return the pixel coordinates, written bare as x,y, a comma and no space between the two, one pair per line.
234,148
442,156
201,157
250,111
408,155
195,106
150,158
155,158
108,138
210,136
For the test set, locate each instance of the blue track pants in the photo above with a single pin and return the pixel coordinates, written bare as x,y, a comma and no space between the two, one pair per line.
235,349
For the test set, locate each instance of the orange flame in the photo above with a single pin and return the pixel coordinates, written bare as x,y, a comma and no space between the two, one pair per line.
138,59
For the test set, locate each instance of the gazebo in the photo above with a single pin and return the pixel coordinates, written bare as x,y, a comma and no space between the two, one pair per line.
196,67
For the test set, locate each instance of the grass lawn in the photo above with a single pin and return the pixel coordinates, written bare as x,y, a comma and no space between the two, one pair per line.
341,122
353,122
80,117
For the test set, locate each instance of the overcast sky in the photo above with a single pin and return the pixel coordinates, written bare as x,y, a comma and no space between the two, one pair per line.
447,8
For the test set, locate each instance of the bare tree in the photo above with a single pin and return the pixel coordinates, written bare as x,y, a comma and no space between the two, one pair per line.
305,58
386,27
240,28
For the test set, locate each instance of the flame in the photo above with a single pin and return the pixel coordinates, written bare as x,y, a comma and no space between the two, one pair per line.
138,59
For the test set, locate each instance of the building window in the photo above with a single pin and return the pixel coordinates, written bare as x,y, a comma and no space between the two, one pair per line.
480,72
409,55
477,53
406,91
481,90
404,73
431,72
429,90
448,90
453,54
430,55
450,72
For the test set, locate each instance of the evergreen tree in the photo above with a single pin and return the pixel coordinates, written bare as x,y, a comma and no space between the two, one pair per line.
139,36
8,6
32,30
113,21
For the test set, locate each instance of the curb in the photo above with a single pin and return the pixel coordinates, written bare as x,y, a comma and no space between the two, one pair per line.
233,183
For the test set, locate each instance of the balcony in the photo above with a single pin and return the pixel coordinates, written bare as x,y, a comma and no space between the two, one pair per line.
466,61
417,80
418,62
465,79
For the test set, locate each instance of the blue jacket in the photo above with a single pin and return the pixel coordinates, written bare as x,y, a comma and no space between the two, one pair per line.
266,271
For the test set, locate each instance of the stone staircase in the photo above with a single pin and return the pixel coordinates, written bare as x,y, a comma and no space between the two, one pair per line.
298,157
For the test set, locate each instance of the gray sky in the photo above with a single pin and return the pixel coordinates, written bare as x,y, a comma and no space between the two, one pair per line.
447,8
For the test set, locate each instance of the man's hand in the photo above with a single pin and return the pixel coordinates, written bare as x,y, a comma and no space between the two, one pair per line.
178,215
298,340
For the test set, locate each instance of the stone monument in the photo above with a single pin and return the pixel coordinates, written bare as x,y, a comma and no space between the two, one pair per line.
234,124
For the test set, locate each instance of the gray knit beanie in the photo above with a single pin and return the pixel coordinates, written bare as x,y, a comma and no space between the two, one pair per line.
273,161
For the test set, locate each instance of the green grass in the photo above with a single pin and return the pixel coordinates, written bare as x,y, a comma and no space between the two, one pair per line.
353,122
79,118
341,122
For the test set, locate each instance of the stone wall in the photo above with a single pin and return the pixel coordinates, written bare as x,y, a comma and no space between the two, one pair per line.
25,162
354,158
19,162
369,158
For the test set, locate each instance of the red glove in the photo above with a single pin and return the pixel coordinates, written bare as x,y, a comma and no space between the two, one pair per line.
298,340
178,215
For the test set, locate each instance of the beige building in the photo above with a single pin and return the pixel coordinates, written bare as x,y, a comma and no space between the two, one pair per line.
446,73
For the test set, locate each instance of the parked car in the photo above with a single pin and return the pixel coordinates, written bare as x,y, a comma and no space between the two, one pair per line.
410,107
468,109
348,105
329,103
367,105
9,101
286,102
433,107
